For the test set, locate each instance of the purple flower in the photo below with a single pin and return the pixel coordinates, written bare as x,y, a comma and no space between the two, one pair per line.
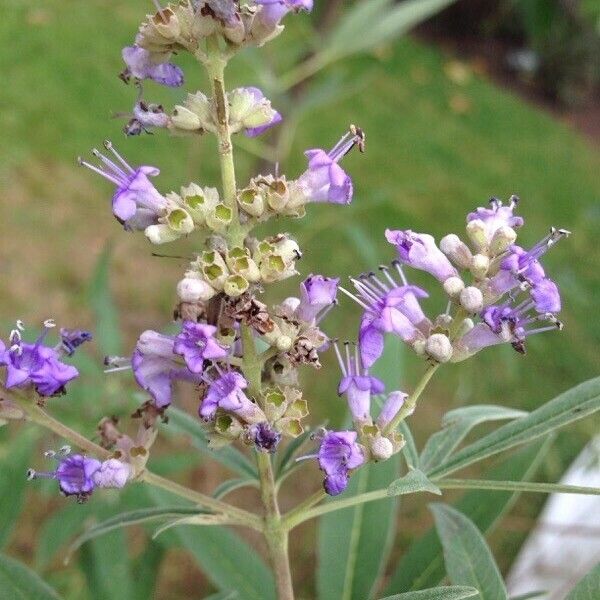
265,438
227,393
274,10
325,180
36,365
112,474
196,343
140,65
155,366
390,307
357,384
259,97
390,408
136,203
338,454
145,117
317,294
420,251
73,338
496,216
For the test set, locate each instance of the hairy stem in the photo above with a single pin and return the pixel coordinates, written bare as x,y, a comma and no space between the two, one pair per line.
275,534
39,416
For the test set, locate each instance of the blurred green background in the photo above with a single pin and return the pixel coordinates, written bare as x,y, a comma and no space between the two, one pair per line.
442,137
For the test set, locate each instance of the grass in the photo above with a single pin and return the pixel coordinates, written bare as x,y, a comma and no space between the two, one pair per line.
436,149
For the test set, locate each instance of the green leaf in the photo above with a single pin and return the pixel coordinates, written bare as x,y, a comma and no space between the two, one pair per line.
226,560
588,588
223,596
570,406
457,425
146,569
233,484
13,467
18,582
468,558
411,455
134,517
108,332
455,592
354,542
180,422
414,481
195,520
423,564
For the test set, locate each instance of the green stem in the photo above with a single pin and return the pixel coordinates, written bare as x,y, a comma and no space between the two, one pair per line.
275,533
410,403
37,415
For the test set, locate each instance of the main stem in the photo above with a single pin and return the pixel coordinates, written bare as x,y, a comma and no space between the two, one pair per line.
275,534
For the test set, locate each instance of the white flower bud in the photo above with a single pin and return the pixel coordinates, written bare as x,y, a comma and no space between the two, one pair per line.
438,347
477,233
503,238
453,286
381,448
161,233
185,119
284,343
480,266
193,289
456,250
199,104
471,299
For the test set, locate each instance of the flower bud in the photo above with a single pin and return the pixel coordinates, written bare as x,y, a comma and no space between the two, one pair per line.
235,285
219,218
503,238
194,289
183,118
200,105
480,265
453,286
381,448
438,347
249,109
477,233
471,299
456,250
161,233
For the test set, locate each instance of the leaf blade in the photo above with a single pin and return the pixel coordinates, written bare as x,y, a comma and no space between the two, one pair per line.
18,582
588,588
454,592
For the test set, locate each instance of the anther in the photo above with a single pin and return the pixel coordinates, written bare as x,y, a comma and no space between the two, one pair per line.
20,325
65,450
31,474
49,454
49,323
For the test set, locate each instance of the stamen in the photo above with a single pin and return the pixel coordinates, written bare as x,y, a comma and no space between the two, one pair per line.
16,349
366,292
109,163
65,450
514,200
398,266
49,323
108,145
49,454
558,326
356,359
348,360
339,357
100,172
387,275
353,297
369,279
15,337
117,369
31,474
325,312
20,325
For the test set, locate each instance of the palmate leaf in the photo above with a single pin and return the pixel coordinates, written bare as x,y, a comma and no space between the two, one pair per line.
423,564
18,582
454,592
570,406
468,558
588,588
457,425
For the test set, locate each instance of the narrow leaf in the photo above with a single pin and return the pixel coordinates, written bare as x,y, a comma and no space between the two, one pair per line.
134,517
468,558
146,569
414,481
423,564
457,425
18,582
232,484
195,520
354,542
566,408
223,596
588,588
410,449
455,592
180,422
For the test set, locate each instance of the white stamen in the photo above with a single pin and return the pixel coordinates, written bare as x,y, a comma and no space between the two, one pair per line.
16,349
356,363
109,163
49,323
108,145
386,273
49,454
365,291
65,450
340,360
31,474
400,272
348,360
20,325
14,337
104,174
117,369
353,297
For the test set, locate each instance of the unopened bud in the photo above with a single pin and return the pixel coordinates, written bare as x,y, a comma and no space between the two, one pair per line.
194,289
453,286
456,250
480,266
161,233
477,233
199,104
438,347
381,448
185,119
471,299
503,238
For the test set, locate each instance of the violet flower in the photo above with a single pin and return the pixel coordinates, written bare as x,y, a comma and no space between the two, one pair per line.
72,339
357,384
274,10
155,366
140,66
145,117
317,295
390,307
227,393
258,96
35,364
325,180
265,438
496,216
419,250
197,344
338,454
136,203
390,408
